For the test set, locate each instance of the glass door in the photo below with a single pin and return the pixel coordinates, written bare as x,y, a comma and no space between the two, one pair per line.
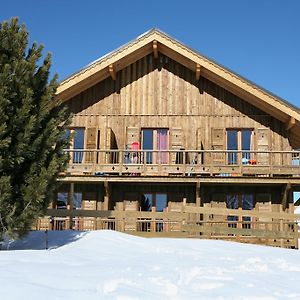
239,139
78,144
155,140
147,135
162,144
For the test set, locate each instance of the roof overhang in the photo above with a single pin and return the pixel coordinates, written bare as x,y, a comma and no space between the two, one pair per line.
155,41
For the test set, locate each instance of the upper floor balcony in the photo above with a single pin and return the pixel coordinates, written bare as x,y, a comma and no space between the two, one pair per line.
224,163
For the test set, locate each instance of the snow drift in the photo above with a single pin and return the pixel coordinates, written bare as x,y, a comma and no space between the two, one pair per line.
113,265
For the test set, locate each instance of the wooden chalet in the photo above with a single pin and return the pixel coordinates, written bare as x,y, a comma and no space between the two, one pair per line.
169,143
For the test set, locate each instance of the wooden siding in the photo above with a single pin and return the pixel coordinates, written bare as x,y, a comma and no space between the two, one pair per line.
161,93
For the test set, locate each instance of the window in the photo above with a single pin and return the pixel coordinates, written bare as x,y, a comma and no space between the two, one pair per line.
76,144
155,139
244,201
77,200
62,200
239,140
153,202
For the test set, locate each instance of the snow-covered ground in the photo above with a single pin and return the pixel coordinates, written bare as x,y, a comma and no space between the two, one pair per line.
112,265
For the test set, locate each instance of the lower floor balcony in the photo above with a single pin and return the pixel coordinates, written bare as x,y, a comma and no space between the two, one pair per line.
258,227
261,213
183,163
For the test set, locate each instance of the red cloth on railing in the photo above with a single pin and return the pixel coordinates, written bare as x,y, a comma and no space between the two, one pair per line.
135,146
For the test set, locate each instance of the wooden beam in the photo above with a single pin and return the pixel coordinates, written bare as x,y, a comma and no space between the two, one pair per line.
295,181
112,71
198,195
286,194
70,203
106,196
198,71
290,123
155,49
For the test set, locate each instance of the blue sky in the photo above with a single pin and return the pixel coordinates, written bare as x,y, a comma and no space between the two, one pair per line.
259,39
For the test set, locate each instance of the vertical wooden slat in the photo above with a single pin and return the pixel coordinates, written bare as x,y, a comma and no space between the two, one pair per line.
177,143
133,135
218,143
262,140
91,138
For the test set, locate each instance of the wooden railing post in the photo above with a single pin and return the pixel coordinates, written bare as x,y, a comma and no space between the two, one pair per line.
144,162
271,164
296,235
184,214
94,160
121,157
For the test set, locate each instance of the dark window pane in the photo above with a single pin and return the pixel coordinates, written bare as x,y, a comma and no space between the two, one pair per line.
146,202
78,144
232,202
79,138
77,200
161,202
148,143
62,200
232,144
247,200
246,143
248,203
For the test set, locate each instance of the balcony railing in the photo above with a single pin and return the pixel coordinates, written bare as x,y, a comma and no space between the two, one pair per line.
183,162
251,226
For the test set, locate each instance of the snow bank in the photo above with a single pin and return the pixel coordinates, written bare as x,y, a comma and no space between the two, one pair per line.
112,265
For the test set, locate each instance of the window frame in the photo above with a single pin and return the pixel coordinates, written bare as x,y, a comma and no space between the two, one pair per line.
236,158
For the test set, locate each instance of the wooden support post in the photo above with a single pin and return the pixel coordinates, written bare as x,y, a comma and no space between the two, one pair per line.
296,235
286,196
70,203
155,49
106,195
291,122
198,200
184,219
198,195
121,158
198,71
281,228
112,71
144,162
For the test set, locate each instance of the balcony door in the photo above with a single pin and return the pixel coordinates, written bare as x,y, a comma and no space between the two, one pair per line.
155,140
239,139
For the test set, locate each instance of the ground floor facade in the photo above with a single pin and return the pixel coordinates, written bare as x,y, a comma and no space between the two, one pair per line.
257,210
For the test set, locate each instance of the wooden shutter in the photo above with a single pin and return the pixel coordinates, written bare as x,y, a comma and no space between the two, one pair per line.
177,142
91,136
218,143
133,135
108,145
262,138
108,138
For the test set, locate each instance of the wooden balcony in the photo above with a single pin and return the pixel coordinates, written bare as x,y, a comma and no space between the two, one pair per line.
250,226
223,163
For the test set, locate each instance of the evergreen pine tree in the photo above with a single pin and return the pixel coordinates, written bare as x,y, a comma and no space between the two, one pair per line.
32,127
